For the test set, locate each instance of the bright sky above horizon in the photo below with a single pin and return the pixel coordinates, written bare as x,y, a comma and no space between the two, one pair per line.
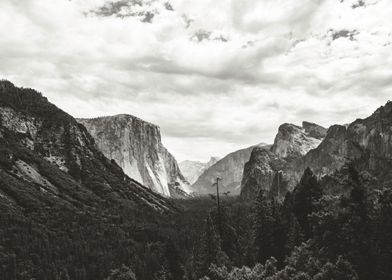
215,75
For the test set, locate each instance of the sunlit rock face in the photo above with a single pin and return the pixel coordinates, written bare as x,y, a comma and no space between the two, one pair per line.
136,146
295,141
271,169
193,169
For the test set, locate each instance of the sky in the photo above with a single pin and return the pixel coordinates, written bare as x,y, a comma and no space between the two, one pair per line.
215,75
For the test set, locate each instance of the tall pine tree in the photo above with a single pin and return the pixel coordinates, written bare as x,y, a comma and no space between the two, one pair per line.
306,195
263,229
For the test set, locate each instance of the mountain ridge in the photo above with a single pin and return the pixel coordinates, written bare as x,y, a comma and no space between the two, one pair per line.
366,143
43,146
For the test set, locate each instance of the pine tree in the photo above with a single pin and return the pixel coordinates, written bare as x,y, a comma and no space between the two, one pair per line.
383,236
209,249
358,227
173,260
263,224
306,195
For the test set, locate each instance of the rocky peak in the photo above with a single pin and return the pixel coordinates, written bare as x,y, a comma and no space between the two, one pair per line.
270,170
136,146
367,142
314,130
296,141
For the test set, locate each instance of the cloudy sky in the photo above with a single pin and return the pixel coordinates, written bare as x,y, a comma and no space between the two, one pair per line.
215,75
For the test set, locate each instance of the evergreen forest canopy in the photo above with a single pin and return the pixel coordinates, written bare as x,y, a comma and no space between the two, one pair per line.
309,235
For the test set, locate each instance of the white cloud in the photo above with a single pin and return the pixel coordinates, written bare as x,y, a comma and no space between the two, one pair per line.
264,63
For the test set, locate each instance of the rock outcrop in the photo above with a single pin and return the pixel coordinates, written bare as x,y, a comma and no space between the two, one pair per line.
229,169
193,169
295,141
136,146
47,158
291,143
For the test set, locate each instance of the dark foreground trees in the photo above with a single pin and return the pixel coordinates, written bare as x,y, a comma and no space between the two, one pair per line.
309,235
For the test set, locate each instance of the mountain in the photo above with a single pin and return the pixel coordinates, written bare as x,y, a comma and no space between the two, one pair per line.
291,143
296,141
136,146
367,142
48,159
193,169
229,169
364,143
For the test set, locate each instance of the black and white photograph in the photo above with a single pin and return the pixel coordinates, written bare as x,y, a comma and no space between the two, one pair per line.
195,140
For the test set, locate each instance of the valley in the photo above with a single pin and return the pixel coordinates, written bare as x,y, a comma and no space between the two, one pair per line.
76,205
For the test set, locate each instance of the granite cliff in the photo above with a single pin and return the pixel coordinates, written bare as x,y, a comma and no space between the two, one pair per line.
365,143
136,146
291,143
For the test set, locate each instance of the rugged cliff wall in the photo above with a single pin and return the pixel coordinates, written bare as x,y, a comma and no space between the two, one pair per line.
136,146
291,143
368,140
366,143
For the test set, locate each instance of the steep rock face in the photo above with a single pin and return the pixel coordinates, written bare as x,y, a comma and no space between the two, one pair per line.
258,171
291,143
47,158
368,140
193,169
136,146
366,143
229,169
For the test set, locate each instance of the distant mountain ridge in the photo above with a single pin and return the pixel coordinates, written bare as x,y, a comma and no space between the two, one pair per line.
193,169
136,146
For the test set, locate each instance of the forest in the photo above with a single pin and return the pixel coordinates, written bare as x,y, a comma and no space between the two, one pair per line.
308,235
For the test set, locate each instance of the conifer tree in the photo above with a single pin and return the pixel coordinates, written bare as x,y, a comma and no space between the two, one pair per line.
263,224
209,248
306,195
173,260
383,234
